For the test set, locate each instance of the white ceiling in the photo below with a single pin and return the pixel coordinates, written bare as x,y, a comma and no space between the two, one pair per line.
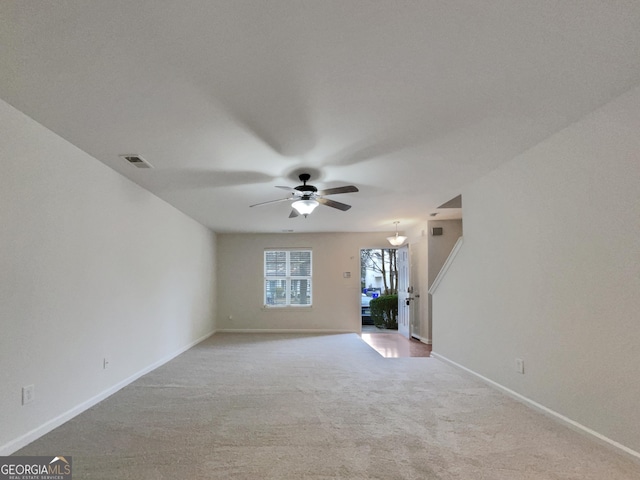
408,100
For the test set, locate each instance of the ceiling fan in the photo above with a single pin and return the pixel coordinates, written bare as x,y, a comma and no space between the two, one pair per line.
308,197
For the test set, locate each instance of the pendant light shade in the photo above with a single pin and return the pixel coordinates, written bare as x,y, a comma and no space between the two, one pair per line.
304,207
397,240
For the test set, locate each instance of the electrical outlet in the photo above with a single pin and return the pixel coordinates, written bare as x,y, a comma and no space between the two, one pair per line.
105,363
28,394
520,365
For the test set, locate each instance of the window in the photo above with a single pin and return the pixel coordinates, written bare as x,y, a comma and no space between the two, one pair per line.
287,278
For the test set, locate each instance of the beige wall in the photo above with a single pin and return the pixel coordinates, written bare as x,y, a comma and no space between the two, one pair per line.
92,266
428,255
440,246
550,272
336,300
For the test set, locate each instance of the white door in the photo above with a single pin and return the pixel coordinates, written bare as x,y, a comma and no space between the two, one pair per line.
415,252
404,292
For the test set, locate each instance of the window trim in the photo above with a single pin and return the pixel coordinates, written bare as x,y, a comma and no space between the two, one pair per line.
288,278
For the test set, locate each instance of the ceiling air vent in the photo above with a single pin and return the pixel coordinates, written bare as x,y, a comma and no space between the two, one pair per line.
137,161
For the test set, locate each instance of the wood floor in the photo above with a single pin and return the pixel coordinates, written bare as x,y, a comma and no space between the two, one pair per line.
394,345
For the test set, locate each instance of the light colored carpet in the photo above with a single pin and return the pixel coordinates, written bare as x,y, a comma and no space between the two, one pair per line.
249,406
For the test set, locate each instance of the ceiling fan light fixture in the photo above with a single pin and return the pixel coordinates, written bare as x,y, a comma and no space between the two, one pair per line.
396,240
305,206
307,197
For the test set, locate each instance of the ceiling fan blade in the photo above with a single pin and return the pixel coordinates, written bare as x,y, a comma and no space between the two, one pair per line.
285,188
293,213
333,191
271,201
332,203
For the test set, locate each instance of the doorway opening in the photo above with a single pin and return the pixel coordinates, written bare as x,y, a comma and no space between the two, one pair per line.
379,290
385,298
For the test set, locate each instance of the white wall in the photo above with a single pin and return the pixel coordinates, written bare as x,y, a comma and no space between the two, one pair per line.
92,266
336,300
550,272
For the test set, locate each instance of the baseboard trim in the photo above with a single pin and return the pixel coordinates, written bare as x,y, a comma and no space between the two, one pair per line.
547,411
281,330
32,435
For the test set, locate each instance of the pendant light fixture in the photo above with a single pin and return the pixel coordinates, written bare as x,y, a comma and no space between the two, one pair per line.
396,240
